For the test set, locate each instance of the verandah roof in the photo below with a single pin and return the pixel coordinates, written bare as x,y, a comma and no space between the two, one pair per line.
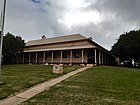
63,48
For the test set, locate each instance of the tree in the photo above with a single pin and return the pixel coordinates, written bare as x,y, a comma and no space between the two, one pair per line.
127,46
11,46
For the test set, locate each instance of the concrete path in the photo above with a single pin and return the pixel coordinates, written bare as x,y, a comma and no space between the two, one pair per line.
24,96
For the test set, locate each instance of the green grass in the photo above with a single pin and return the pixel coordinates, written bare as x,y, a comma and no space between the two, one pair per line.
20,77
96,86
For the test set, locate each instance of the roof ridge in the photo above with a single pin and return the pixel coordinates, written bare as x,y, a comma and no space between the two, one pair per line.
58,37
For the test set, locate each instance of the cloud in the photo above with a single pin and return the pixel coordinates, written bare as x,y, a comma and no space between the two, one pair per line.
36,1
104,20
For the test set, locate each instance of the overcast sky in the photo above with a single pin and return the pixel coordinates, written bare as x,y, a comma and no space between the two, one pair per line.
103,20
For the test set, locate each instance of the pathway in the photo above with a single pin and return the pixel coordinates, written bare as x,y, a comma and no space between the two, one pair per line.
24,96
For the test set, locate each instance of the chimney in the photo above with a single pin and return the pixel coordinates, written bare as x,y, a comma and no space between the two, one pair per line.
90,38
43,37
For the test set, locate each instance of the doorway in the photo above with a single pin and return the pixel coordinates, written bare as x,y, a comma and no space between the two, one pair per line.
90,56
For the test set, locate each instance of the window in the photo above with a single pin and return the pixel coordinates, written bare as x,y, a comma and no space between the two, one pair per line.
77,53
48,55
55,54
65,54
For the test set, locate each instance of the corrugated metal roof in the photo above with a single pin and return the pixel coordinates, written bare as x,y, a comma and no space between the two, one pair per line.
66,38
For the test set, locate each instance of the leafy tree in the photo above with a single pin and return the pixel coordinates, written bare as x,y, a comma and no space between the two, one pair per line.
127,46
11,46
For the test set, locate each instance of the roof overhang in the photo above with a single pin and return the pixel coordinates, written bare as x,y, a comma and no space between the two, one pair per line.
63,48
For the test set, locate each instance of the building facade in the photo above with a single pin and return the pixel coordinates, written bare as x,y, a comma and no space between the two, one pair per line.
70,49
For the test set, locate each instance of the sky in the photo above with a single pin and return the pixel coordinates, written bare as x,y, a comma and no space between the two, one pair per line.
103,20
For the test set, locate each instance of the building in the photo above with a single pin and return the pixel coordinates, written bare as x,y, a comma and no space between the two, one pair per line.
70,49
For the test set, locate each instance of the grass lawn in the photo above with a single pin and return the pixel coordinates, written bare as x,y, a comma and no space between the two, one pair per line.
101,85
20,77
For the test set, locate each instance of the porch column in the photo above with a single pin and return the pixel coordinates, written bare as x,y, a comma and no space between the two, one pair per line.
82,56
52,56
61,57
29,57
70,56
99,57
95,56
36,57
44,57
23,59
